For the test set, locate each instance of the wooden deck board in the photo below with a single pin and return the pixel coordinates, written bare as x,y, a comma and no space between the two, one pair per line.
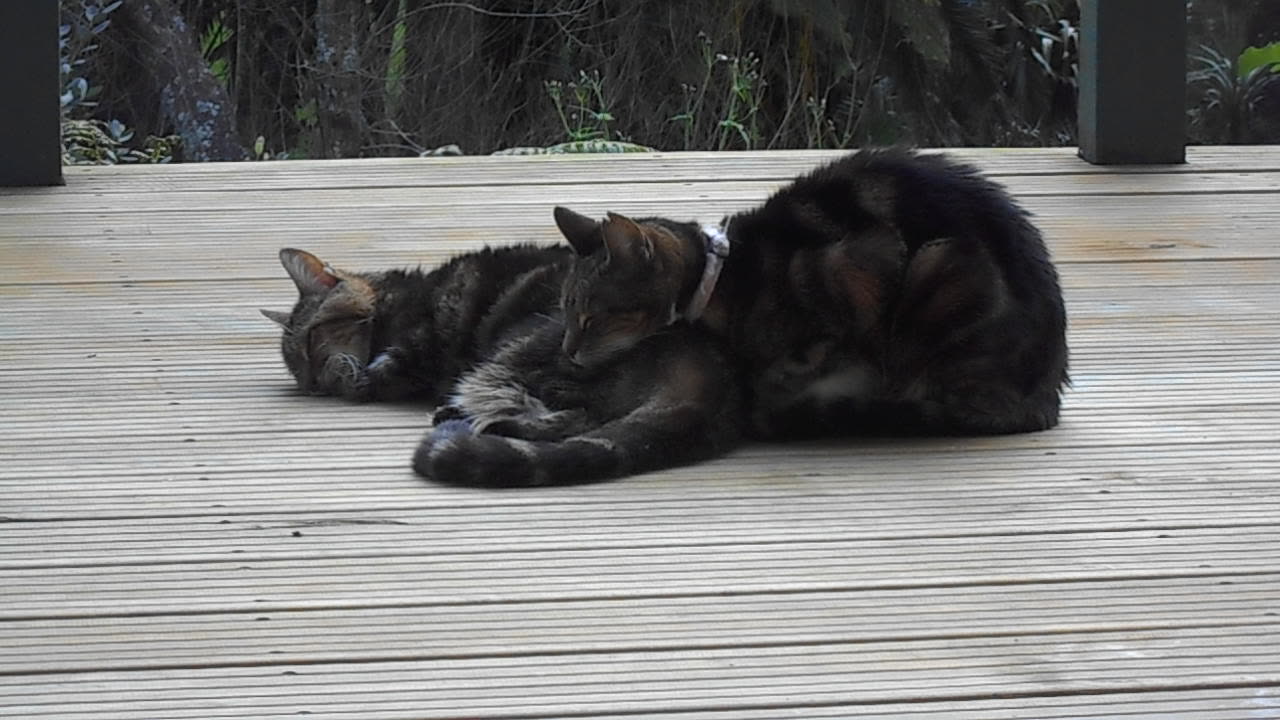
560,686
183,536
405,632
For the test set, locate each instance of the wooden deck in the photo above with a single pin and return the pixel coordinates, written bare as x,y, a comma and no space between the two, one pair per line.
182,536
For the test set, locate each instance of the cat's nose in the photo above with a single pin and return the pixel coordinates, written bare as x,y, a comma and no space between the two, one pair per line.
571,344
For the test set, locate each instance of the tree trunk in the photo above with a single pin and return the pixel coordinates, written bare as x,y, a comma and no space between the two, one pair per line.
341,124
190,96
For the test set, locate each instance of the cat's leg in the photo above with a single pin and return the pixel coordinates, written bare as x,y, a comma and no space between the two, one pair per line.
390,376
383,378
662,433
386,367
843,397
963,409
344,375
493,399
990,408
823,389
501,396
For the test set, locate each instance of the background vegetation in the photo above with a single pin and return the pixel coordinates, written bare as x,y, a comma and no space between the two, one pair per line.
230,79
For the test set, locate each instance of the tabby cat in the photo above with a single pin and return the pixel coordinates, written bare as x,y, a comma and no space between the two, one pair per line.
484,333
529,415
407,334
887,291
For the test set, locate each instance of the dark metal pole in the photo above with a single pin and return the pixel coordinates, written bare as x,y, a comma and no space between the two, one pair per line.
1133,81
30,112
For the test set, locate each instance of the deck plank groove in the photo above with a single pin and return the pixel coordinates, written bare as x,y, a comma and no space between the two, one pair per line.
183,536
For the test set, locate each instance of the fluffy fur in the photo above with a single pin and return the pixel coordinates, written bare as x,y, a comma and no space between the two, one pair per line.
531,416
484,332
888,291
408,334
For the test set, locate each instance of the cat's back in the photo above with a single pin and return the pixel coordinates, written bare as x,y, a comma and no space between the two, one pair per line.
445,319
921,198
480,277
462,294
934,269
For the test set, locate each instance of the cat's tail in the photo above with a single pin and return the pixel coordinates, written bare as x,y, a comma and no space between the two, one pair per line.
453,453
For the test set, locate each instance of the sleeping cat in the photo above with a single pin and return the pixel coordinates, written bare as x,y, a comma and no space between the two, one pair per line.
484,331
887,291
405,334
529,415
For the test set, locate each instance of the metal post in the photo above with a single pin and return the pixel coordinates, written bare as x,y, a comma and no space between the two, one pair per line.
1133,81
30,112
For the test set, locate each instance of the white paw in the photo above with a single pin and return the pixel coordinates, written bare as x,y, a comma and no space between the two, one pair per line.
383,359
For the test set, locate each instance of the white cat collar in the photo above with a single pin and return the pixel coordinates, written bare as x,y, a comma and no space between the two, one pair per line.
717,250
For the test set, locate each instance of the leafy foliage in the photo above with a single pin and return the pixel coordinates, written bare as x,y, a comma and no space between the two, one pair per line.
671,74
213,45
92,141
1235,100
82,22
577,146
1253,58
581,106
679,74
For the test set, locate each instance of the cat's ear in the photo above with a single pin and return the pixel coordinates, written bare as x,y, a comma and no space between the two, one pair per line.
624,238
582,232
277,317
309,272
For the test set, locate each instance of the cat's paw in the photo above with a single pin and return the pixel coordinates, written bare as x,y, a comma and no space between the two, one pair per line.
385,364
446,431
438,438
345,376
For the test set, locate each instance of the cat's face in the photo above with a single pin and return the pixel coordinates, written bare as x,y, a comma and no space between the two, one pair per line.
327,337
623,286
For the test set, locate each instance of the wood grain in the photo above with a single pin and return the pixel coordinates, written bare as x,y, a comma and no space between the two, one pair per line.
183,535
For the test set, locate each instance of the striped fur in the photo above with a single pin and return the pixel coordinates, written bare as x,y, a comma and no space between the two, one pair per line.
530,416
407,334
885,292
482,335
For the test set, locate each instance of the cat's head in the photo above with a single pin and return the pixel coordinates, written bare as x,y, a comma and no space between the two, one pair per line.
626,281
327,338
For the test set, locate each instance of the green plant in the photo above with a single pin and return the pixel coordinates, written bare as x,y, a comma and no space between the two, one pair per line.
393,84
1227,95
1058,48
1041,42
94,142
573,147
306,114
682,75
581,106
260,151
744,87
743,106
694,96
81,24
1253,58
213,44
91,141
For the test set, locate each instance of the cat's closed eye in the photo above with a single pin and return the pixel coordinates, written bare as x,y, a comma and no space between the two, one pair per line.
628,321
328,327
